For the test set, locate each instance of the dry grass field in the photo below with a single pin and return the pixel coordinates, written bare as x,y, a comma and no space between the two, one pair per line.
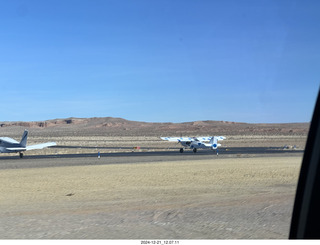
237,198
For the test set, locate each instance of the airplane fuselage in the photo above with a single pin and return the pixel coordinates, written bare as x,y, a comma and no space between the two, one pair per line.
198,145
4,150
6,145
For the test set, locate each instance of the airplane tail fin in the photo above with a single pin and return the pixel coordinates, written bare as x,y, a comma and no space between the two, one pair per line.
214,142
23,141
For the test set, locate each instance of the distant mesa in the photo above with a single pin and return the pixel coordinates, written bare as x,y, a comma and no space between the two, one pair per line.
120,126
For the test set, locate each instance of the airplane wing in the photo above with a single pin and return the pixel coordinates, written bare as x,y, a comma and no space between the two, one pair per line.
16,149
221,137
40,146
209,138
204,138
9,140
186,139
177,139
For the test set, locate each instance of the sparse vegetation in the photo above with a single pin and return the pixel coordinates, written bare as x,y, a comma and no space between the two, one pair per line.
202,199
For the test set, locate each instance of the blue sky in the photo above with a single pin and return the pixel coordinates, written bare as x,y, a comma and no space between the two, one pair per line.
160,61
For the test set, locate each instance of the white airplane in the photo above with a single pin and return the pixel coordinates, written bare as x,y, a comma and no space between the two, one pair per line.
9,145
195,143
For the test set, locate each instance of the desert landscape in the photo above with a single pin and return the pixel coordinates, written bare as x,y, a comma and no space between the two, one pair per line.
225,197
246,198
90,135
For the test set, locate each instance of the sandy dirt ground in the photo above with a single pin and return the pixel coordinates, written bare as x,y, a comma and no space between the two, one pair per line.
109,144
236,198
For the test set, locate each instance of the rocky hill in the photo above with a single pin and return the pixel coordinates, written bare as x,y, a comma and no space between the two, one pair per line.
121,127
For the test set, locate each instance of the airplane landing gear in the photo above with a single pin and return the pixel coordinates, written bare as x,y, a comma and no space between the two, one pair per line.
181,150
20,154
194,150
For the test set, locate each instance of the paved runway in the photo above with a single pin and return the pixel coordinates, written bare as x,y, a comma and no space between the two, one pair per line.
142,156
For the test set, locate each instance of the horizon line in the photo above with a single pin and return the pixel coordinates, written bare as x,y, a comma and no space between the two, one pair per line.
205,120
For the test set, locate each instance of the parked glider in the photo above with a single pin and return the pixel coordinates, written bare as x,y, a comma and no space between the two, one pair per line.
9,145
